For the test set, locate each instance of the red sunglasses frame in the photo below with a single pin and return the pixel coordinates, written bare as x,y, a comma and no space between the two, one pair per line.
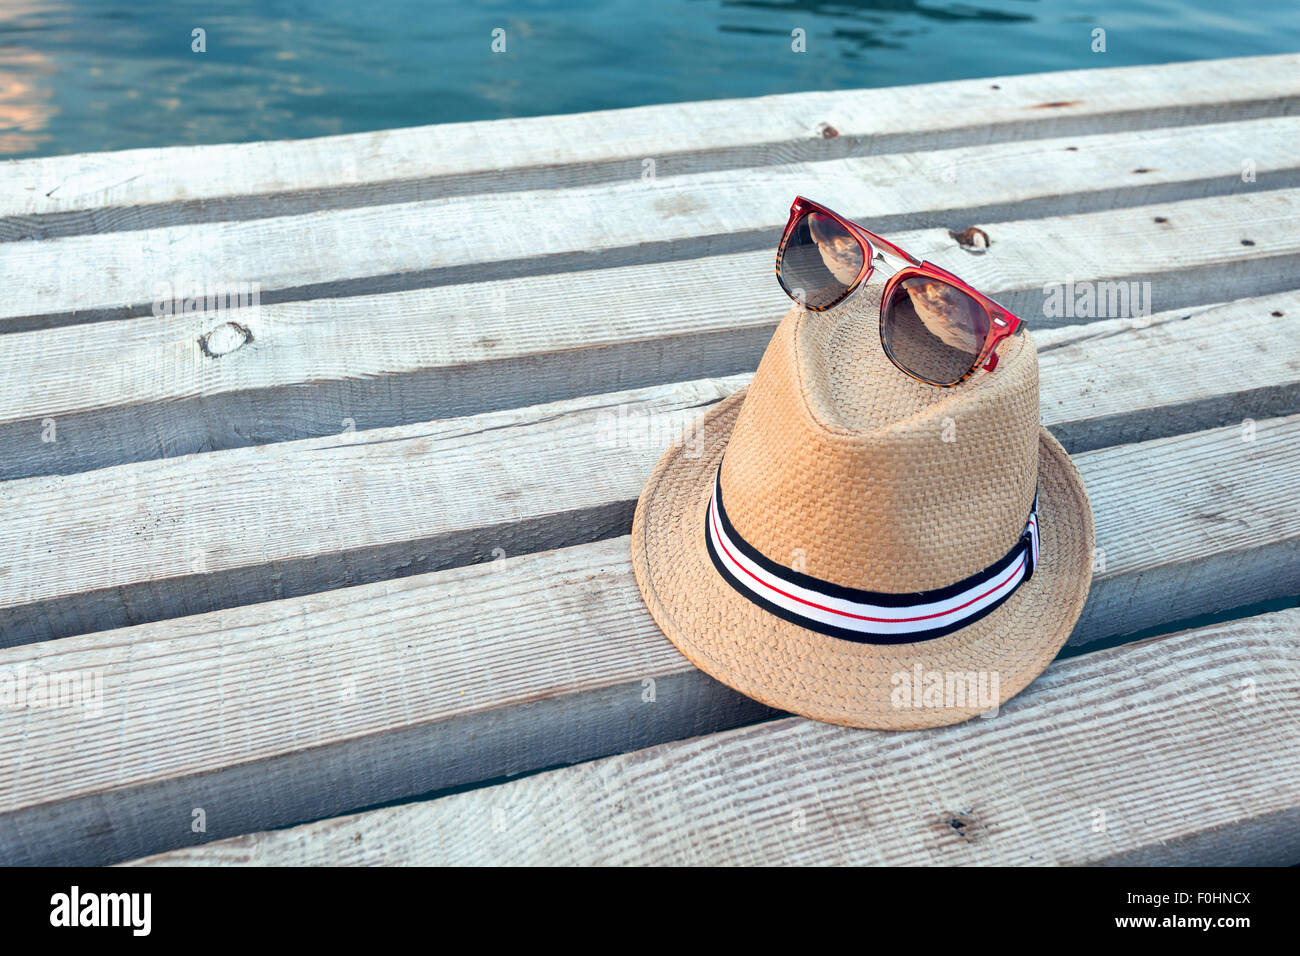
1002,322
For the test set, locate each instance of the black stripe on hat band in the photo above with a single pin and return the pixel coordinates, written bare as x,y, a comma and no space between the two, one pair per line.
862,616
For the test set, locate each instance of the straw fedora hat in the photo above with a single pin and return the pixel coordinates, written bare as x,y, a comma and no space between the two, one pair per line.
841,541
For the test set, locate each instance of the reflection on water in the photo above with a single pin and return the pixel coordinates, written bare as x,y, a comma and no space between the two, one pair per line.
25,108
25,87
83,75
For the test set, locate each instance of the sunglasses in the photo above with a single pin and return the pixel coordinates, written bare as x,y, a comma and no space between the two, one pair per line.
933,326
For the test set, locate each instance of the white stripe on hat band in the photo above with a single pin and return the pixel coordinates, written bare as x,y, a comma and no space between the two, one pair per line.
827,608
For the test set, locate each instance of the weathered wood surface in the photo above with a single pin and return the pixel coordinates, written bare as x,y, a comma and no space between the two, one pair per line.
261,715
145,188
143,388
314,365
1116,381
1142,754
305,546
89,551
407,245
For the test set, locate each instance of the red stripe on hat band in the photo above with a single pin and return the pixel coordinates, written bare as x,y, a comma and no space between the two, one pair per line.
856,614
862,617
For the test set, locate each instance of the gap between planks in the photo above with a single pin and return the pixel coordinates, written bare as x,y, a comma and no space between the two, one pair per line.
143,388
275,713
153,540
1149,754
149,188
413,245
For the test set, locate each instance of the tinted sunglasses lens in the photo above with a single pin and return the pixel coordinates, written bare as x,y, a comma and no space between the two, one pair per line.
820,261
933,329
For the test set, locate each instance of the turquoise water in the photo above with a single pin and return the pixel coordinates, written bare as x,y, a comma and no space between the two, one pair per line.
82,75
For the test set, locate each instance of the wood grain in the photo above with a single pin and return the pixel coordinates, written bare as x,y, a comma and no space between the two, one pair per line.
1117,381
491,236
148,188
365,541
144,388
1147,754
275,713
151,540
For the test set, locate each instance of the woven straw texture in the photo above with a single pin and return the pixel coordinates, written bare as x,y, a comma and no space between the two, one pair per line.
839,465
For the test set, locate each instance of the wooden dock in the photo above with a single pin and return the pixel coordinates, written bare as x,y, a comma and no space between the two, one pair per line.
364,538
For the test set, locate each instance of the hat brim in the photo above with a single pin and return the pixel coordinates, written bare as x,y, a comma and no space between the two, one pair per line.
896,687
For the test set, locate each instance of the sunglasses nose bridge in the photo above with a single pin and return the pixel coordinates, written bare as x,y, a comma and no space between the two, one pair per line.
869,257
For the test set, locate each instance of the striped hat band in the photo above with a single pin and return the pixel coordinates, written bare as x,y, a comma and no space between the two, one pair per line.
869,617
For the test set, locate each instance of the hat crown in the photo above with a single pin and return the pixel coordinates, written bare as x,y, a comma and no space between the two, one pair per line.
842,467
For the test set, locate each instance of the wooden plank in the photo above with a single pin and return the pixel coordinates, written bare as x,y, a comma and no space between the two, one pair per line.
391,689
142,388
152,540
1049,339
146,388
1128,380
406,245
1141,754
1241,512
148,188
147,541
271,714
